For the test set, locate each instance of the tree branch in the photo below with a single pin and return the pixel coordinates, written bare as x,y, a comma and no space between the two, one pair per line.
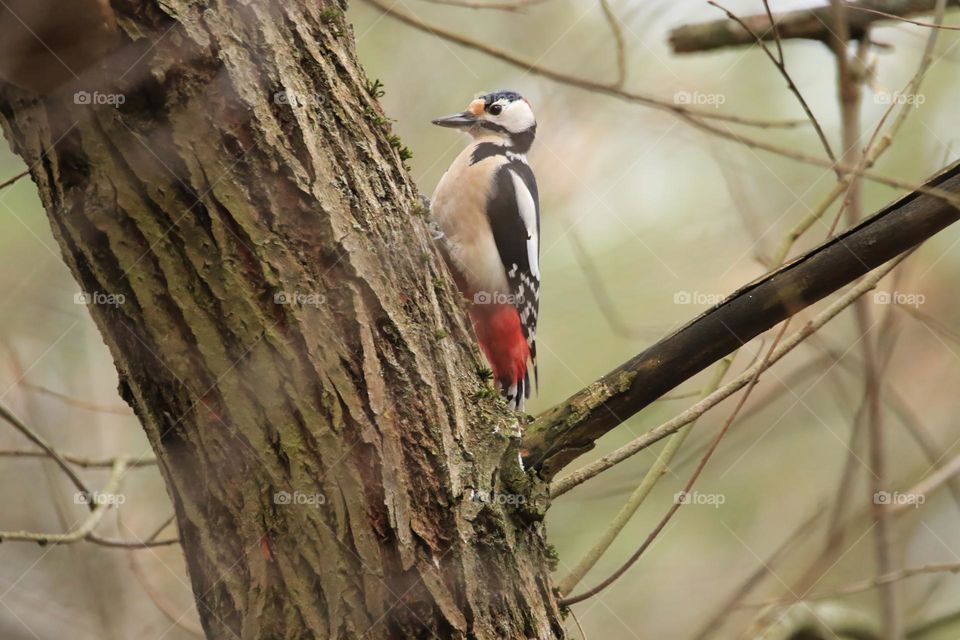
807,24
569,429
89,523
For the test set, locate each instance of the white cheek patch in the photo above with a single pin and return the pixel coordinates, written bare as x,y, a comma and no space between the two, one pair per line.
517,116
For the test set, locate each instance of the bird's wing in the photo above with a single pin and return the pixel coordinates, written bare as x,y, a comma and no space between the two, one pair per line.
514,213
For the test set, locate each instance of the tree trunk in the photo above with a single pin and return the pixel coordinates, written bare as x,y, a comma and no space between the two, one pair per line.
227,194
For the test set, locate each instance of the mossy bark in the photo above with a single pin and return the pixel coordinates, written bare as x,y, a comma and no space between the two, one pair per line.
261,272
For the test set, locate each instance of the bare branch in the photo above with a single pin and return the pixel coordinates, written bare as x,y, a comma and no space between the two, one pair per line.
516,5
35,438
81,461
120,410
564,432
674,424
6,183
780,64
582,83
650,479
618,42
87,526
927,486
809,24
751,384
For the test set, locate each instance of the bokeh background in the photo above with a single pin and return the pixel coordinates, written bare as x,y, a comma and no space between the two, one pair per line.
671,220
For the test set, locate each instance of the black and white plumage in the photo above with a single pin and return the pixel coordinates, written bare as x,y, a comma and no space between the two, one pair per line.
487,206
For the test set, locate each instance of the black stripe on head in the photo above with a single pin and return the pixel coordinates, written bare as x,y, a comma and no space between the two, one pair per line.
493,96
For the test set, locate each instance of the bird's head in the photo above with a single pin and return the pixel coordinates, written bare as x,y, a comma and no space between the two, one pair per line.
501,114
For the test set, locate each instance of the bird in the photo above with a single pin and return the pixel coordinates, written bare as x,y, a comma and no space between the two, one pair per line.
486,209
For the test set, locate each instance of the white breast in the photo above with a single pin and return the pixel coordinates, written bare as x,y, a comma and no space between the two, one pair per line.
459,208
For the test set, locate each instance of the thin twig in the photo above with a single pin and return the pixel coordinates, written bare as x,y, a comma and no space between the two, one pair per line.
9,181
121,410
618,42
583,635
89,523
781,66
36,439
754,579
516,5
687,487
919,23
564,484
919,492
582,83
80,461
864,585
650,479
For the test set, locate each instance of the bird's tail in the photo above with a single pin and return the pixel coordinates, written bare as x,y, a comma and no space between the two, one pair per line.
503,343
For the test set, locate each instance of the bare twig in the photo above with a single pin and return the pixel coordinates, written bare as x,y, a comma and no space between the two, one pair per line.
656,434
31,435
618,42
9,181
650,479
563,78
890,16
120,410
80,461
564,432
780,64
765,569
865,585
515,5
85,528
919,492
810,23
687,487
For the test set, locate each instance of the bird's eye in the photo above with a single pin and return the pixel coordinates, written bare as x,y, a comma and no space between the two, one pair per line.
495,109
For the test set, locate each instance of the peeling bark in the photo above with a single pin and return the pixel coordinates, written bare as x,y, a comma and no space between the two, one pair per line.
248,162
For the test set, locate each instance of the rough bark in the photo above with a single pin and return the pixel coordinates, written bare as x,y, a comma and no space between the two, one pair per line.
195,203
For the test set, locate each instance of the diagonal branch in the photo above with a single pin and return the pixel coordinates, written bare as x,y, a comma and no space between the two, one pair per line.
569,429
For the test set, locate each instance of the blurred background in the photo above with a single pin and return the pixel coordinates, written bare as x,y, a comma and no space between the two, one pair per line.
646,222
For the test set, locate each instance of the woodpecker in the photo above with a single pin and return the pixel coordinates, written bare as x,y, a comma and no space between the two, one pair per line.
487,208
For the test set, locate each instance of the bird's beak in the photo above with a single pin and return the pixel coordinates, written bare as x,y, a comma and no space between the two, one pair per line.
463,120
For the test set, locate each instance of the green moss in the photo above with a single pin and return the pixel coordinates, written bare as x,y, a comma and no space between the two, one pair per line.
330,14
403,151
375,118
375,88
485,392
552,556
